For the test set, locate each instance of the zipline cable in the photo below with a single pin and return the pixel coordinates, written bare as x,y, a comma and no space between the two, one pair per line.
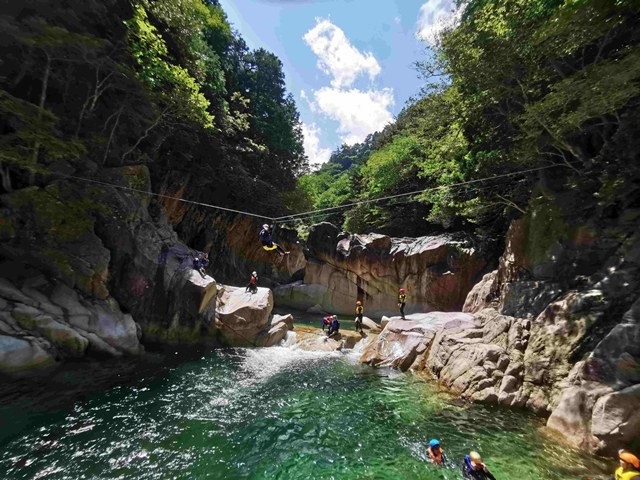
477,189
416,192
160,195
303,215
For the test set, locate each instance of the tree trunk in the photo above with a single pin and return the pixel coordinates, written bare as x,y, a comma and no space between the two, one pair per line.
43,99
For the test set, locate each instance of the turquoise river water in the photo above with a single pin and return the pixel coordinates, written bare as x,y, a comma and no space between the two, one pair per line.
275,413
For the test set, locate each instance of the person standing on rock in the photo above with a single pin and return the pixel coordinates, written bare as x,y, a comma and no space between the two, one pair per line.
267,243
629,468
253,283
402,301
474,469
359,314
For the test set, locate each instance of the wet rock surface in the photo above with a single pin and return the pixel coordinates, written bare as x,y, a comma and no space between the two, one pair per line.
44,321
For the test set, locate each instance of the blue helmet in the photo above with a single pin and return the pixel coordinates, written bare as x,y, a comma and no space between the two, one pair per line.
434,443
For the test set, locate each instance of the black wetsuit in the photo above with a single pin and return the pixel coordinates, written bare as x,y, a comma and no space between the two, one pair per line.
469,473
359,313
265,239
402,300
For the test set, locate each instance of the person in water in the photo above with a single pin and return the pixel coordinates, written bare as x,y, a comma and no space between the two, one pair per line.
629,468
359,314
436,455
267,243
474,469
326,321
253,283
402,301
334,328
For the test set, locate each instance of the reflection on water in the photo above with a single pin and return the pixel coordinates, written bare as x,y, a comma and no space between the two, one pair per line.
276,413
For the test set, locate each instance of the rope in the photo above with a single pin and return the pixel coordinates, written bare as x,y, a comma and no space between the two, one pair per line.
416,192
145,192
403,202
311,213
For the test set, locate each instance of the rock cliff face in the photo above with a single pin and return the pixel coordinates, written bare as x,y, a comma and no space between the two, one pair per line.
100,271
436,272
555,328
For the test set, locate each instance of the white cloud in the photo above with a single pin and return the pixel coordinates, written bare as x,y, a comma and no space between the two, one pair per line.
357,112
310,103
436,16
315,153
337,57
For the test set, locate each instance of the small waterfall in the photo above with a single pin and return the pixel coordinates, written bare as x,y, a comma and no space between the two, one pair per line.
289,340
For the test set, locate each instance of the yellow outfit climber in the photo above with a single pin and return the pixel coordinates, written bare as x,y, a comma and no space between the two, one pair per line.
629,466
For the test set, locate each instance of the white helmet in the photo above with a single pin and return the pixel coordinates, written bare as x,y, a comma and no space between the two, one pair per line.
335,316
265,226
255,274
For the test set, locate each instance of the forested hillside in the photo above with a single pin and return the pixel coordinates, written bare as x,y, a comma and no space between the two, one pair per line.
92,84
549,87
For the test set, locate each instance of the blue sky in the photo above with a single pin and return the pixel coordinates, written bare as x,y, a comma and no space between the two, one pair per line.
348,63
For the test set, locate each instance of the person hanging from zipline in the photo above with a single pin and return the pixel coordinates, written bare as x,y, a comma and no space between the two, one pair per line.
359,314
267,243
402,301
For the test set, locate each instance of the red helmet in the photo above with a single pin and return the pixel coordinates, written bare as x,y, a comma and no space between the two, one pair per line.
358,302
402,290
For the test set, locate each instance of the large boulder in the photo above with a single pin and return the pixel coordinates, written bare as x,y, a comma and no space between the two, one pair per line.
599,410
43,321
402,341
242,316
436,271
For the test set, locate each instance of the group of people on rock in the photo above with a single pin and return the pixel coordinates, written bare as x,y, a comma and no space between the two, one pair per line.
473,468
329,319
332,324
201,262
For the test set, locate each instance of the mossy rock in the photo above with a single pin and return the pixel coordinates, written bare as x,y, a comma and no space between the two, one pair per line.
545,228
69,342
6,228
62,219
138,178
18,355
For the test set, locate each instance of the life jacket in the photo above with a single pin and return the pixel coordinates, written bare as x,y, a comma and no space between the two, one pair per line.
435,458
335,326
620,475
402,298
359,310
327,320
253,280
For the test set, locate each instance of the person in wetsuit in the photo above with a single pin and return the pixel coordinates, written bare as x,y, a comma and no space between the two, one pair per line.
267,243
334,328
629,468
253,283
436,455
402,301
359,314
474,469
326,321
